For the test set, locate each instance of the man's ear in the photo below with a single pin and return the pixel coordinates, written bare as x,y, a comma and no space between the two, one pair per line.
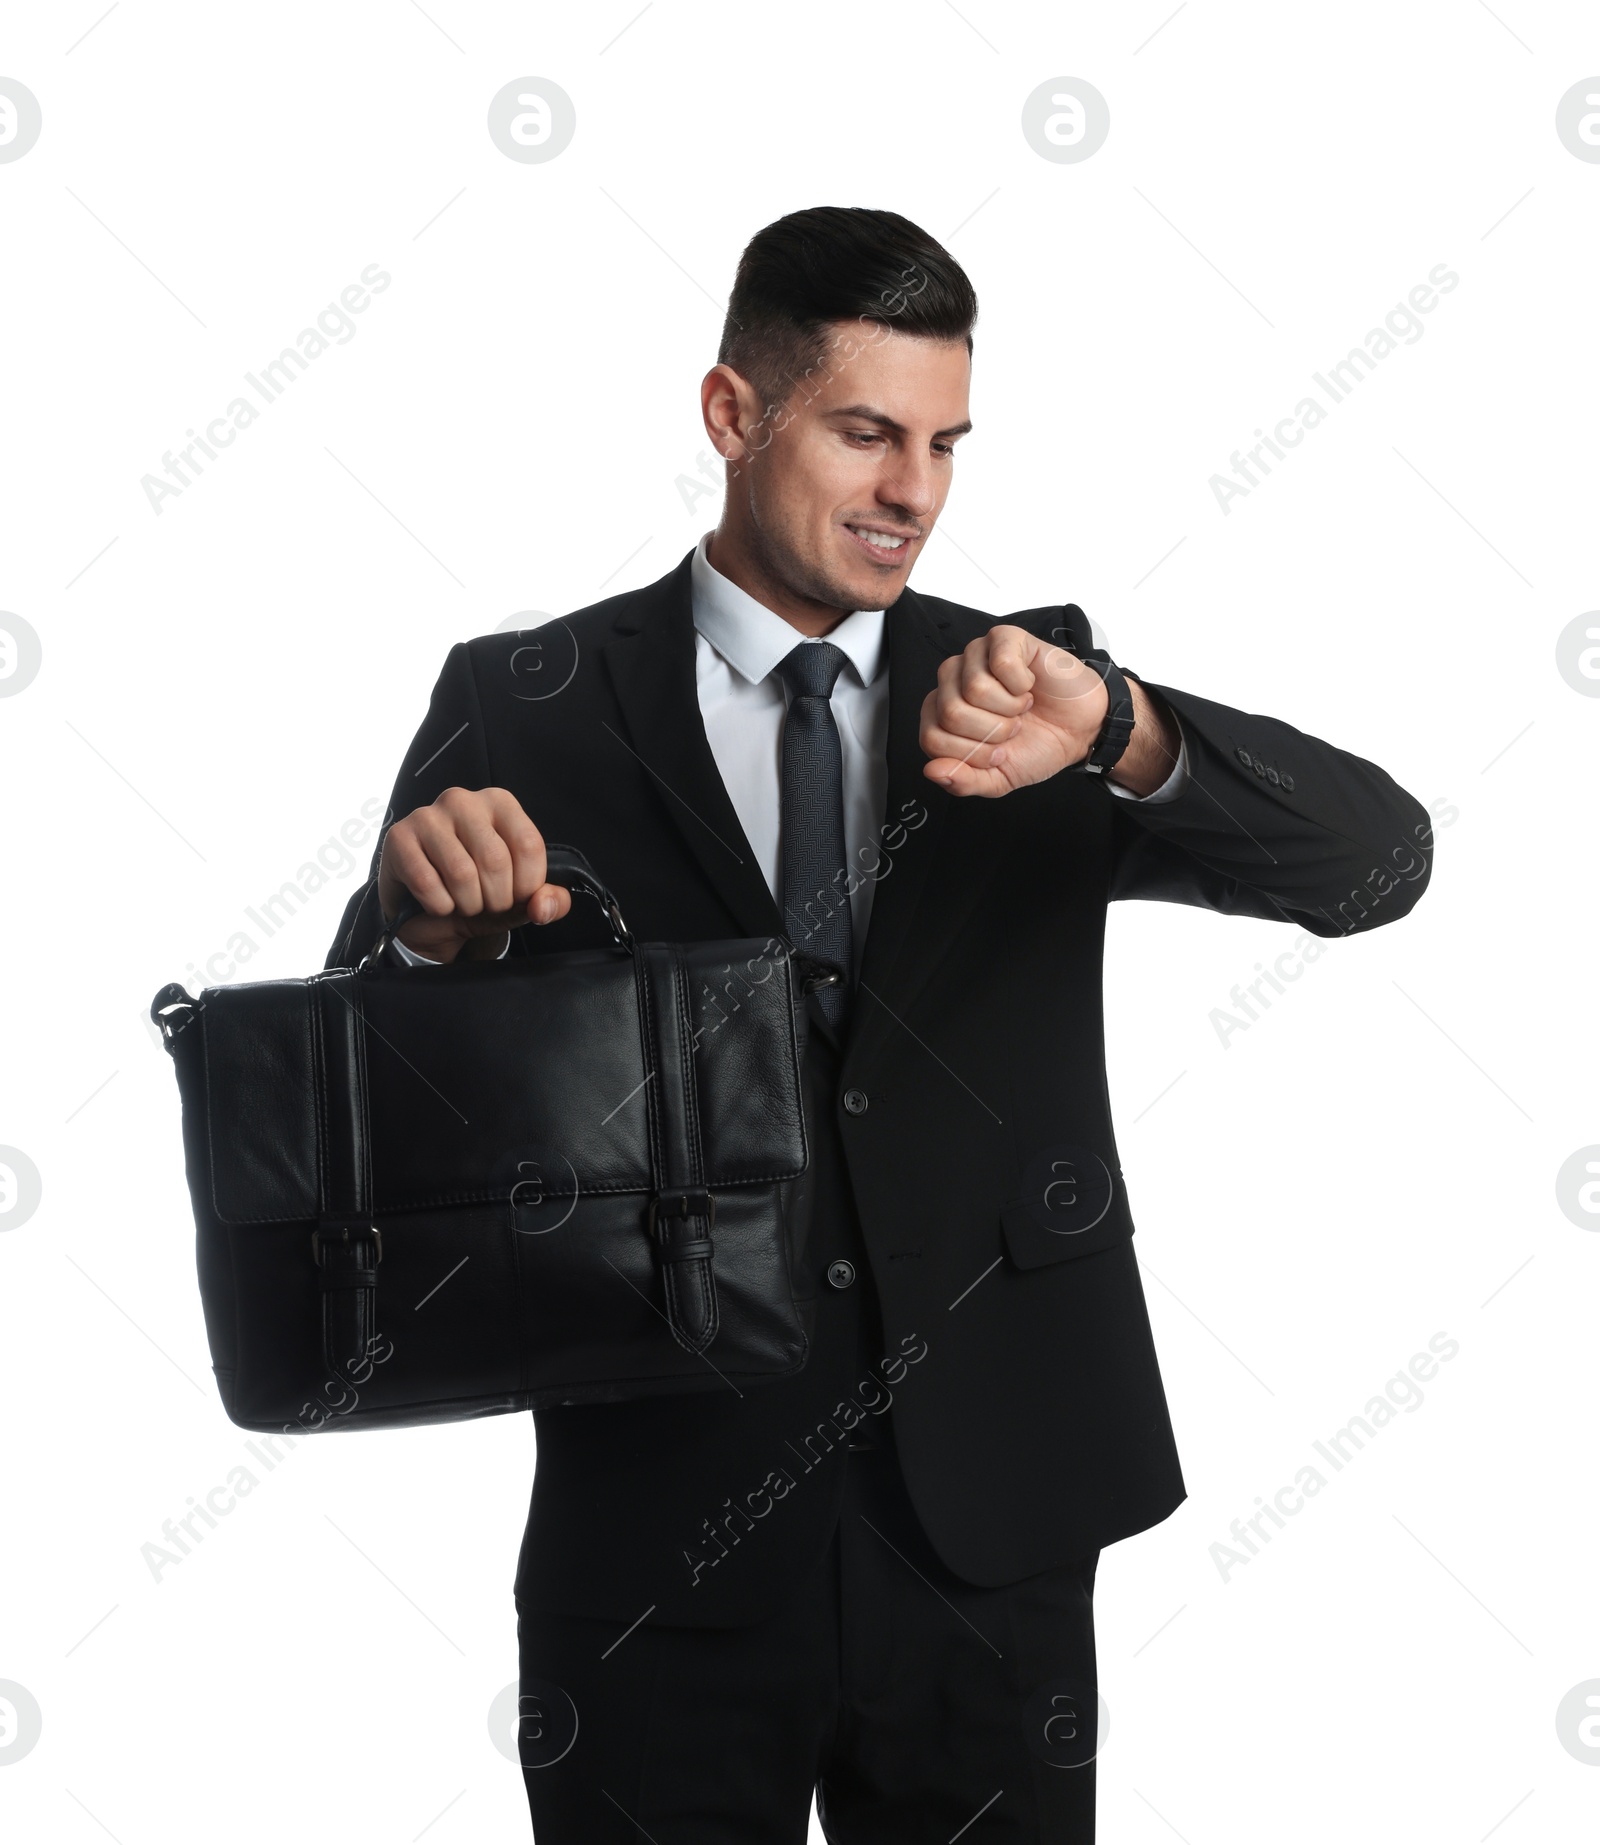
728,408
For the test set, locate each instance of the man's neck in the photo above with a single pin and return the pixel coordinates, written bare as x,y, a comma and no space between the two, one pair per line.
734,561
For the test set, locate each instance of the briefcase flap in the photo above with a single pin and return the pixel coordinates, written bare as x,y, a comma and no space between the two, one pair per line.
486,1079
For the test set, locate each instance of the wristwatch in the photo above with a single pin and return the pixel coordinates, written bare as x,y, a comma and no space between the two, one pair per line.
1106,750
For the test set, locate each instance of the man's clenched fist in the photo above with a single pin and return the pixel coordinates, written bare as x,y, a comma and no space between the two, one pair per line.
476,864
1011,710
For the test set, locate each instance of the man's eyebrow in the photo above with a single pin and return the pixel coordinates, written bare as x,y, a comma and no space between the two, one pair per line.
868,415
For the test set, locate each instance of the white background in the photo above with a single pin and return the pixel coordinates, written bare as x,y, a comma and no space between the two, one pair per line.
224,684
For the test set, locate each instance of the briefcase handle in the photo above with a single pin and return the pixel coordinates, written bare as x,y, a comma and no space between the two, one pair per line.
567,865
563,865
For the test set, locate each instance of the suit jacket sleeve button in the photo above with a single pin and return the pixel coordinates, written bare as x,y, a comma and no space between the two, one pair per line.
855,1102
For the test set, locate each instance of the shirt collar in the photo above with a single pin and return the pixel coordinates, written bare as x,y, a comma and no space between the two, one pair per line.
752,639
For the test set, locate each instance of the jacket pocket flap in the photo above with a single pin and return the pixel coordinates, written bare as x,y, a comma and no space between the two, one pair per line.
1032,1240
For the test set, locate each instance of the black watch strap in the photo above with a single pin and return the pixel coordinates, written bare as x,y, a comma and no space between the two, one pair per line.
1106,750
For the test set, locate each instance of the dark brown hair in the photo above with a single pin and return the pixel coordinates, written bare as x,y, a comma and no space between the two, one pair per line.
836,263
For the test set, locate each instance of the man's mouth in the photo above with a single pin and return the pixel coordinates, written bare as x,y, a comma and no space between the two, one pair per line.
882,541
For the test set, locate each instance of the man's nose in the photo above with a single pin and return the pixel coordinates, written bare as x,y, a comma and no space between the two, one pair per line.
909,490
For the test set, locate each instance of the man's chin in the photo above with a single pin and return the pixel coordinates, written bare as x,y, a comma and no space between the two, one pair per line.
839,582
863,587
868,596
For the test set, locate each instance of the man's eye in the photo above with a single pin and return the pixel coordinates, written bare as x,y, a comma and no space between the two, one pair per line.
860,435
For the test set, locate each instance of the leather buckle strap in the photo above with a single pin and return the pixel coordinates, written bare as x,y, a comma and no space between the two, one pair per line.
347,1258
682,1211
684,1251
342,1231
685,1206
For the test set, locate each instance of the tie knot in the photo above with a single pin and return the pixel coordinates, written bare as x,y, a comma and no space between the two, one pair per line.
811,669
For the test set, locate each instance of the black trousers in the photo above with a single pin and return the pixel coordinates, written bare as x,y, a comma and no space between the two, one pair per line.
916,1706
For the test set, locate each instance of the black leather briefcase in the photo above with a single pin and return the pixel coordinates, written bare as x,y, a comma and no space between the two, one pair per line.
425,1194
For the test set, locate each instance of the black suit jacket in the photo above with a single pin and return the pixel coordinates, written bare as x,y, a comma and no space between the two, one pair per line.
982,1170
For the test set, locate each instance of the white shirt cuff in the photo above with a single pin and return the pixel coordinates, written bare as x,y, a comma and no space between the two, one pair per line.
1171,788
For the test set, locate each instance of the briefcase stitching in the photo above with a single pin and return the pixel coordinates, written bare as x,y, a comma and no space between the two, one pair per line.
686,1053
705,1272
319,1092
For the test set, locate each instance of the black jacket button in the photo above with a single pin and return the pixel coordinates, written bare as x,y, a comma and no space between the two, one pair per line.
841,1273
855,1102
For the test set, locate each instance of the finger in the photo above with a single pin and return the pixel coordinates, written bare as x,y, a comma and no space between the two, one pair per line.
956,718
452,863
940,739
965,778
937,741
532,896
523,841
973,726
552,903
965,677
980,688
1010,657
549,903
949,708
491,855
414,865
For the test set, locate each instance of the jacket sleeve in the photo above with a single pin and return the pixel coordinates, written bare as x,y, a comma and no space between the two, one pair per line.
450,750
1274,823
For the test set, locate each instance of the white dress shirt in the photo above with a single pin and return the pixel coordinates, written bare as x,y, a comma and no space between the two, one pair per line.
737,643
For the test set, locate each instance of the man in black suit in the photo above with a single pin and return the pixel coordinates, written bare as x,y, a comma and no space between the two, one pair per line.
871,1580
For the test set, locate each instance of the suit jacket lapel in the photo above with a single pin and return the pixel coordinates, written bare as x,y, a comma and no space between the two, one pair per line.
917,644
651,659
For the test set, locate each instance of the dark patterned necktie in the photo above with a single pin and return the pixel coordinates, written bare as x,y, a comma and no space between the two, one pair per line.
816,906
